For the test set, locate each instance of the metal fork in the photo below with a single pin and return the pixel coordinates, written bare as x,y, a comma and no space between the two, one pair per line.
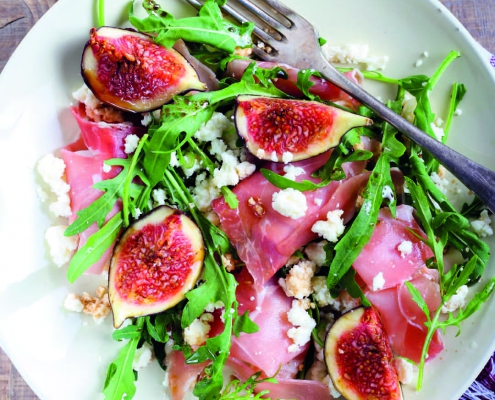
294,41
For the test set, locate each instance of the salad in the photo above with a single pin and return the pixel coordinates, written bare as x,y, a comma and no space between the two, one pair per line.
324,214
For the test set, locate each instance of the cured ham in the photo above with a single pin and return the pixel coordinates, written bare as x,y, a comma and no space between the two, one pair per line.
394,250
264,238
84,160
404,320
322,88
181,376
285,388
268,349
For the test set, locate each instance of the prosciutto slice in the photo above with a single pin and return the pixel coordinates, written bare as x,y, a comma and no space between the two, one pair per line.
383,252
265,239
322,88
99,141
404,320
267,349
286,387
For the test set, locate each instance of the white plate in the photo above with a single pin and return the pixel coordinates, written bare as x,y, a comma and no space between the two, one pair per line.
63,355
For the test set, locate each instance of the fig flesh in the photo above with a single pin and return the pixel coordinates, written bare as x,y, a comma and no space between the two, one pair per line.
156,261
359,357
274,127
127,70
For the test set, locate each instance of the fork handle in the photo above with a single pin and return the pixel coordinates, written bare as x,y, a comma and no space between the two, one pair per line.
480,180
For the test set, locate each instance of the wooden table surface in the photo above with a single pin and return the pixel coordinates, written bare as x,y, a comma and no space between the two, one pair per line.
18,16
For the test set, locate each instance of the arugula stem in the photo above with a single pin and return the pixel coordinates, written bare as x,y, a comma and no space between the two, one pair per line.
128,180
100,11
426,346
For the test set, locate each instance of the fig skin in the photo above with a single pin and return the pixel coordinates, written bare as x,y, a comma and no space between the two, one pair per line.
272,126
157,260
129,71
359,358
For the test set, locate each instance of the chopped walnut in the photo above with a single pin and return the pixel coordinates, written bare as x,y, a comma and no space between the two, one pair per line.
243,52
98,306
105,114
229,262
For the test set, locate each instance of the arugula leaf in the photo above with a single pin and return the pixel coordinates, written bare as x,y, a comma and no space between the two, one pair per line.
120,378
94,248
209,27
458,92
244,324
230,197
245,390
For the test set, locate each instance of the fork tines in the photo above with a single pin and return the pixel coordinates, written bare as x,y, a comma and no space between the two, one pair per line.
268,28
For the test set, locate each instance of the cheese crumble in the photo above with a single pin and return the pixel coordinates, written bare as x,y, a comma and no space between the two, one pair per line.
378,281
52,171
290,203
303,326
405,248
332,228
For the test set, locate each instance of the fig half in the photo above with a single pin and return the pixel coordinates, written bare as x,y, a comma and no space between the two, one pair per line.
156,261
129,71
273,127
359,357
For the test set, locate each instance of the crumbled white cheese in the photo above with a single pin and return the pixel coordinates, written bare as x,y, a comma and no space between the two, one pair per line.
86,96
303,326
260,154
405,371
378,281
287,157
210,307
61,247
322,294
458,111
354,54
142,357
146,119
418,63
106,168
458,300
318,372
292,172
52,171
218,146
290,203
197,333
231,171
438,131
131,143
481,226
204,192
273,156
332,228
214,128
159,196
315,252
439,182
73,303
405,248
297,283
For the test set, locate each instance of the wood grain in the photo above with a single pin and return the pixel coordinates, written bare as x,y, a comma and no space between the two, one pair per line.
18,16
